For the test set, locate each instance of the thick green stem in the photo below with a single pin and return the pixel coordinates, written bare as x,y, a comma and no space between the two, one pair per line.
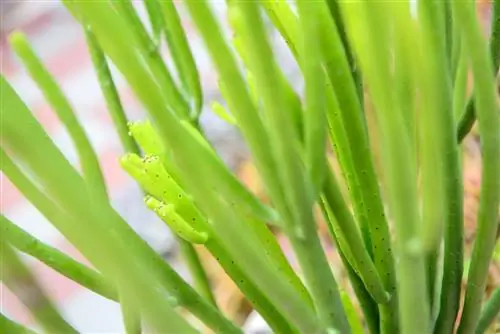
52,257
21,282
489,312
60,104
130,316
489,129
110,92
315,102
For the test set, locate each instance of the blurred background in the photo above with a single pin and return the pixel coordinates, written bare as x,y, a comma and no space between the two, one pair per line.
60,42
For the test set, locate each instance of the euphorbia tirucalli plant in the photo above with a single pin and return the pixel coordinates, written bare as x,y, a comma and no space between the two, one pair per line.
398,229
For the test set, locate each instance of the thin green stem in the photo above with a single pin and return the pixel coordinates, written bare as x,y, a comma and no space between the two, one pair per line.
60,104
489,312
468,117
283,18
155,18
315,102
368,305
362,263
489,129
110,92
198,274
52,257
12,327
356,74
20,281
172,97
182,56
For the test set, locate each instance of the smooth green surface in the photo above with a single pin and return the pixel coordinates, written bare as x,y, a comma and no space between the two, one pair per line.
489,130
61,106
54,258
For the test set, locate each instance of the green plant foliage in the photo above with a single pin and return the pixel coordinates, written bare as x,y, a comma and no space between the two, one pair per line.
397,227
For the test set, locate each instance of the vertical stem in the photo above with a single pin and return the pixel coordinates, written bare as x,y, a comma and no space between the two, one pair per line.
304,239
198,274
368,305
489,128
469,115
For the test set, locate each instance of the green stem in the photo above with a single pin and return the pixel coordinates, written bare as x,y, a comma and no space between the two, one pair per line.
110,92
60,104
52,257
200,279
283,18
441,177
460,86
489,312
489,128
131,317
182,56
12,327
317,274
155,18
149,50
189,154
368,305
362,263
468,117
373,52
99,232
360,171
356,74
253,293
315,102
20,281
